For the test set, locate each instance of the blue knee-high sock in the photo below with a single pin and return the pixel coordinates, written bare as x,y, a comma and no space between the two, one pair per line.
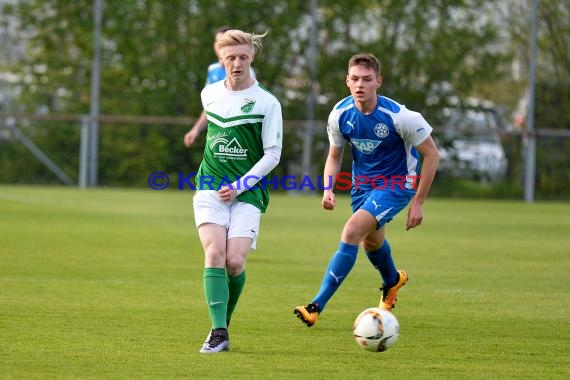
382,260
339,267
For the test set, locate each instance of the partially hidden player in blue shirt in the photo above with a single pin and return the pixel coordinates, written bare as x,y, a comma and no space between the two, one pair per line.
386,141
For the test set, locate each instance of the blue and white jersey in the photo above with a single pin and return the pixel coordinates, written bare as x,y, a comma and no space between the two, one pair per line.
382,143
217,72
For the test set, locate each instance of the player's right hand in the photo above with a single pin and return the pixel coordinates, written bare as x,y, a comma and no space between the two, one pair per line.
329,200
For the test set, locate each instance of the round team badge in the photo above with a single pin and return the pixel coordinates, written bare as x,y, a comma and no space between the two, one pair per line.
381,130
247,105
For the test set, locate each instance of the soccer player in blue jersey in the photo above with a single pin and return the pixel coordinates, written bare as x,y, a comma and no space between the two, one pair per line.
216,73
386,140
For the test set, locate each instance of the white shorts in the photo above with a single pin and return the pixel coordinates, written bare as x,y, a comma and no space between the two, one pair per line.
239,218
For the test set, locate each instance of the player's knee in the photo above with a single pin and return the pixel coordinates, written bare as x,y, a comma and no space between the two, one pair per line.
352,235
371,245
235,265
215,258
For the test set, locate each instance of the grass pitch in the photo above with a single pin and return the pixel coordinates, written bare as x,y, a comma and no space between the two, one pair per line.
108,284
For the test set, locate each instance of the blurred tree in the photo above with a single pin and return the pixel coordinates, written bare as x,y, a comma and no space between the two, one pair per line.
154,60
552,95
426,47
553,60
155,55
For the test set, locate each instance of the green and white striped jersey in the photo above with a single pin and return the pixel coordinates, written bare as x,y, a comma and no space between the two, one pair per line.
241,124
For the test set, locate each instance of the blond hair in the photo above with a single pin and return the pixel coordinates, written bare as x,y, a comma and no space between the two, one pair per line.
235,37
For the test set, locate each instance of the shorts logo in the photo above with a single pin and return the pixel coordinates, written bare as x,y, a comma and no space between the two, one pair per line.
381,130
247,105
383,214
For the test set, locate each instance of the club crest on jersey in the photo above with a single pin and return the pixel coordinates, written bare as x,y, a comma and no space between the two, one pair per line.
247,105
381,130
365,146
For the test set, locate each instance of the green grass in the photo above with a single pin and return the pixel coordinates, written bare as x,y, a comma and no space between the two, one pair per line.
108,284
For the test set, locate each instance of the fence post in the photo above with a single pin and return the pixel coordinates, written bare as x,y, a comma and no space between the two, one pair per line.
530,157
83,151
307,168
94,101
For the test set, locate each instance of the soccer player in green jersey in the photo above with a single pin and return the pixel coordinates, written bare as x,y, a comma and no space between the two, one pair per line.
243,145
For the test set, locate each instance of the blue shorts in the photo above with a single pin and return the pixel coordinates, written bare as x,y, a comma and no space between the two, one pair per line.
384,205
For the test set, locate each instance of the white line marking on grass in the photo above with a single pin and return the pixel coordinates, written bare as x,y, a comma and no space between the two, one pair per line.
22,198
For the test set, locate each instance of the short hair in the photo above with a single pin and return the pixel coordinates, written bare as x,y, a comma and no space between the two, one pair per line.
365,59
223,29
234,37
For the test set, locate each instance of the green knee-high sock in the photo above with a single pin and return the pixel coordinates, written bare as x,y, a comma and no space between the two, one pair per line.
217,294
235,286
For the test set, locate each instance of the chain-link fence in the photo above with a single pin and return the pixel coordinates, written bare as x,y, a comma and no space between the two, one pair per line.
47,150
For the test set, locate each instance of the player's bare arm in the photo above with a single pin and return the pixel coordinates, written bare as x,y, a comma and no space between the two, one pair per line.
332,168
430,155
191,136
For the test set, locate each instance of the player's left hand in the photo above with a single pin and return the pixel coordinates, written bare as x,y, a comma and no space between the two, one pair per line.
227,194
415,216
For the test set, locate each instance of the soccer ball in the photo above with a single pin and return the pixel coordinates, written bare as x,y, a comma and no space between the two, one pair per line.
376,329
